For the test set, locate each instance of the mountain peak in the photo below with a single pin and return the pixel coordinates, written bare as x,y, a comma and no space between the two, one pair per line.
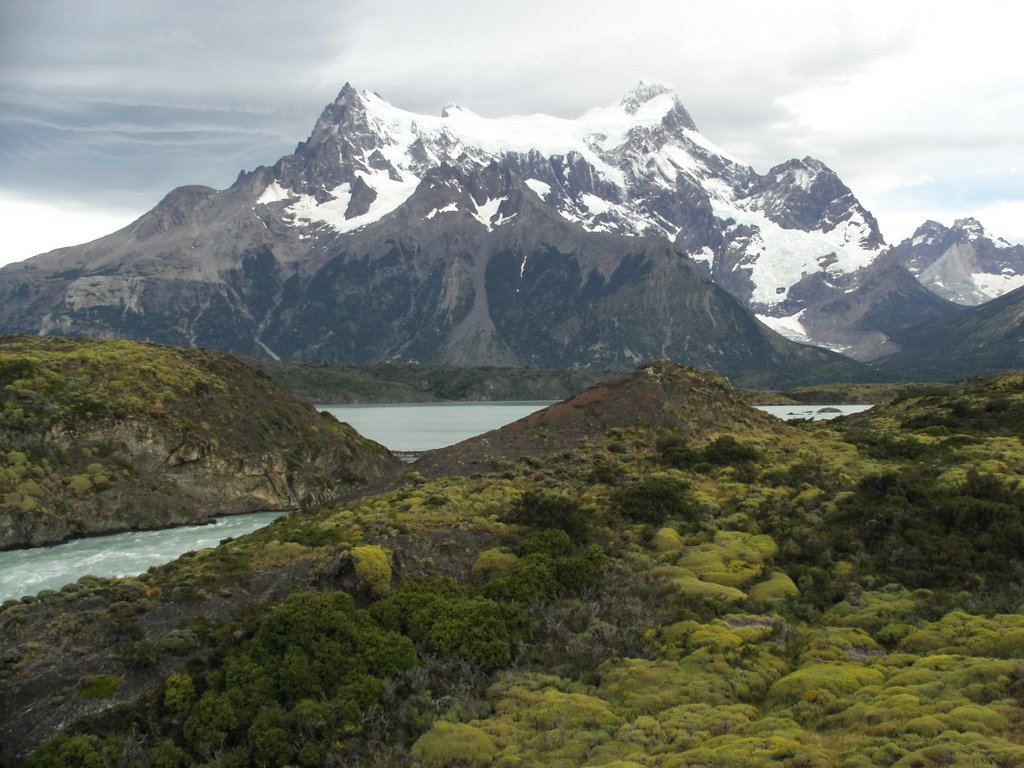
964,263
644,91
970,227
348,107
930,226
347,93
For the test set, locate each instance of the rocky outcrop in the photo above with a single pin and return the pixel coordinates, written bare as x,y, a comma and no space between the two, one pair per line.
103,436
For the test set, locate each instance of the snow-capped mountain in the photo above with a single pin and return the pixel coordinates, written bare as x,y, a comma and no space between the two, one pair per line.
394,235
963,263
639,167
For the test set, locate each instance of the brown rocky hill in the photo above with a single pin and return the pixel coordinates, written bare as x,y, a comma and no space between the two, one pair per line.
99,436
660,394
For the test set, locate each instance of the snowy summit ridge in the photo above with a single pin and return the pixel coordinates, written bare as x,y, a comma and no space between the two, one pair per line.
636,167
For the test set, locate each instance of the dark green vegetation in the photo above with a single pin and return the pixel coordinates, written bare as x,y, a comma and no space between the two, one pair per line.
745,593
863,393
100,436
328,383
979,340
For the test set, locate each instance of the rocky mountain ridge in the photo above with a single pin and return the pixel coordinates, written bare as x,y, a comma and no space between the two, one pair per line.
963,263
980,340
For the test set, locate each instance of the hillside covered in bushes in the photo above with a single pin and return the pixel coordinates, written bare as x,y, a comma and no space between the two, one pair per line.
99,436
745,593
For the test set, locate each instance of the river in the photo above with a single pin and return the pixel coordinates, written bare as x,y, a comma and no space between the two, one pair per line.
28,571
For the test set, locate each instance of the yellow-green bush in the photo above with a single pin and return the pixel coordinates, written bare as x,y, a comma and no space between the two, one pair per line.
666,541
875,609
733,559
556,709
714,637
776,587
1000,636
690,586
373,569
685,726
976,718
838,679
454,744
491,562
838,644
638,686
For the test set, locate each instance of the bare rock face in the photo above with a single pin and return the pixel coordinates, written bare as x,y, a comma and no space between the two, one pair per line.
106,436
963,263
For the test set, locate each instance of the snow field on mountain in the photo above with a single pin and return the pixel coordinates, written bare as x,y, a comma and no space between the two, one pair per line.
390,195
790,327
991,286
778,258
488,210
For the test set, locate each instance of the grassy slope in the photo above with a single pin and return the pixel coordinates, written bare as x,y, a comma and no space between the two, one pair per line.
817,595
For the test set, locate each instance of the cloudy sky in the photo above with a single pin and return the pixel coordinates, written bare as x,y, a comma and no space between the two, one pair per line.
107,105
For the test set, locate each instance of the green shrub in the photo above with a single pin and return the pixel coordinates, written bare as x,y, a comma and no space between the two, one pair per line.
532,578
776,587
207,727
666,541
314,645
79,484
728,450
412,606
76,751
546,509
473,630
837,679
179,692
270,744
675,451
549,541
167,754
178,642
491,562
655,500
100,687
